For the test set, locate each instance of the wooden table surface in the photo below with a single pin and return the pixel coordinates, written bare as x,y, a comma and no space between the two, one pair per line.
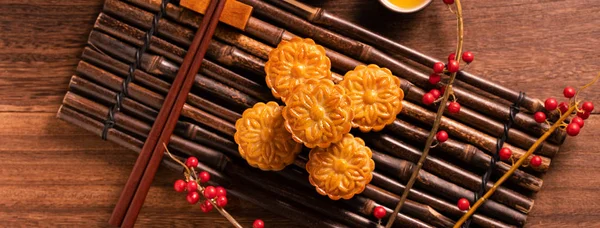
56,174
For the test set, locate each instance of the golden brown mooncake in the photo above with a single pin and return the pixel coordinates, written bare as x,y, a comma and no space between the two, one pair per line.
262,139
292,63
341,170
376,96
318,113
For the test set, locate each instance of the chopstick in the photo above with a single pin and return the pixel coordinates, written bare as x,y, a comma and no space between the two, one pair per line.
140,179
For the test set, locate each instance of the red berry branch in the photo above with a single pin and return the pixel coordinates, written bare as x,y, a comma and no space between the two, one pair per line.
433,96
573,106
212,197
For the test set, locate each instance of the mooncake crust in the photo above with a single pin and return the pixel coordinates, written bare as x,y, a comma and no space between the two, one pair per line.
376,96
341,170
262,138
292,63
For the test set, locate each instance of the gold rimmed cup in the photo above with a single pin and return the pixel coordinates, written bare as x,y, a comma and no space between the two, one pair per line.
405,6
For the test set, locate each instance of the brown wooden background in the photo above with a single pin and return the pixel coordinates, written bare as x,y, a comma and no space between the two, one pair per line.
55,174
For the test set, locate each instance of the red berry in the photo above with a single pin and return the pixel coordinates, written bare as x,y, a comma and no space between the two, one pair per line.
438,67
505,154
551,104
569,92
191,162
451,57
578,120
210,192
468,57
584,115
587,106
442,89
539,117
221,191
435,92
463,204
206,206
428,99
192,186
449,2
434,78
563,107
379,212
221,201
453,66
441,136
179,185
454,107
536,161
573,129
204,177
258,224
193,197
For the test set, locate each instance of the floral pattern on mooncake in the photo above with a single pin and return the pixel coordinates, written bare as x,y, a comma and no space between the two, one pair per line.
376,96
262,139
318,113
341,170
292,63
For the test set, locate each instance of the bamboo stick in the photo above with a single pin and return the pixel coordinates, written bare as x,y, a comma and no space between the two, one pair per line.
189,129
429,181
465,152
89,88
466,115
321,17
127,123
442,206
442,173
273,35
282,207
156,65
320,203
141,129
173,70
412,93
206,85
479,139
451,173
211,138
105,96
387,199
448,185
257,65
366,53
466,133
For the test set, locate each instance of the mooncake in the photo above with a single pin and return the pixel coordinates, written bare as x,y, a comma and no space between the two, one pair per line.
341,170
292,63
376,96
318,113
262,138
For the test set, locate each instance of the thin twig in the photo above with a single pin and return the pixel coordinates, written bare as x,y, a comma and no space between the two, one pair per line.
189,172
516,165
438,118
513,168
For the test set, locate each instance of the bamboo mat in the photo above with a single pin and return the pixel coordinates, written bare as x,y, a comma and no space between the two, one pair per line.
48,167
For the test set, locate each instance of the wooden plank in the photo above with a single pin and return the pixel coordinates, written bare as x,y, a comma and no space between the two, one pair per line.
55,174
39,46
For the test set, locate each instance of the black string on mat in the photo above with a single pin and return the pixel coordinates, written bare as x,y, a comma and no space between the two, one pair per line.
514,110
110,119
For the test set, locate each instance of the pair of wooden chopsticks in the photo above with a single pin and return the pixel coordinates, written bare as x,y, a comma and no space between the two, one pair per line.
138,184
